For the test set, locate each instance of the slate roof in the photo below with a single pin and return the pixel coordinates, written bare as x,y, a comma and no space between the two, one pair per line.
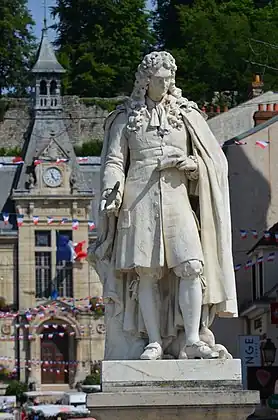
47,129
46,60
239,119
91,173
7,178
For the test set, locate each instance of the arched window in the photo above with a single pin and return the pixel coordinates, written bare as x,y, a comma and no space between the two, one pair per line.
43,88
53,87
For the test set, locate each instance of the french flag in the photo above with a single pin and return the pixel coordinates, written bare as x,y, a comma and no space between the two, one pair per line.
19,220
6,218
271,257
248,264
254,233
262,144
65,249
75,224
17,160
91,226
237,267
49,220
267,235
260,259
35,220
243,234
64,221
79,252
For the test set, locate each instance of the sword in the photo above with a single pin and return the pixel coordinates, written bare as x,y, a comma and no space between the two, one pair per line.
105,203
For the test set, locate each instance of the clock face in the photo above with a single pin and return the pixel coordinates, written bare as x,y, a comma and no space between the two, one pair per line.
52,177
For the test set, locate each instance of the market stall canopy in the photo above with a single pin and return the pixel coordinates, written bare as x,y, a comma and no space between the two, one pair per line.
34,394
7,416
52,410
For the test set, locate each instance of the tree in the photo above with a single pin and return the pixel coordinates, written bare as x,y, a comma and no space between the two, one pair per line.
18,389
16,47
212,41
101,42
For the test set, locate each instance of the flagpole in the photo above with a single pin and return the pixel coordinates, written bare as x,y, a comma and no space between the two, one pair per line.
90,326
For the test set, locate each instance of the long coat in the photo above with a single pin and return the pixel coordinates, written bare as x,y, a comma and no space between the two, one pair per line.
213,196
156,226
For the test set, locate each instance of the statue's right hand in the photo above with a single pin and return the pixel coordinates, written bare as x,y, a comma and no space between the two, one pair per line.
110,202
109,208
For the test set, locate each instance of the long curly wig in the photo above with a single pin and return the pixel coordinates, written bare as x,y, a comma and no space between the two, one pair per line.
137,103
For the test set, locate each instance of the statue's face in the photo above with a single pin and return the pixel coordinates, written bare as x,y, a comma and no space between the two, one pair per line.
159,84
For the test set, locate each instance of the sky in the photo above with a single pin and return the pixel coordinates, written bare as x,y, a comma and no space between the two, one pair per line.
37,10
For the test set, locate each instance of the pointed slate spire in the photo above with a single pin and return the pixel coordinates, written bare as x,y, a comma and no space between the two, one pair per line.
47,61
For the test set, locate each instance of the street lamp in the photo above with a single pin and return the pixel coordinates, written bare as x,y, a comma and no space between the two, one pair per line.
268,351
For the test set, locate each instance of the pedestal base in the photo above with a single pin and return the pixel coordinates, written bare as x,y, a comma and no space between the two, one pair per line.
172,389
174,405
151,375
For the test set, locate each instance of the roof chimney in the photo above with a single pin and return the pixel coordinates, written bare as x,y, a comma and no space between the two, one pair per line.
257,86
264,113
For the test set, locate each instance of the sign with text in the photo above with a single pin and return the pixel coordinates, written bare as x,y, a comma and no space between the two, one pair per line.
249,353
274,313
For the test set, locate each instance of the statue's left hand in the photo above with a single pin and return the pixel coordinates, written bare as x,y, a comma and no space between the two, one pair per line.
187,164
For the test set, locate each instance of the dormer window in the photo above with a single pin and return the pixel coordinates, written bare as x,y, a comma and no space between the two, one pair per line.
53,87
43,87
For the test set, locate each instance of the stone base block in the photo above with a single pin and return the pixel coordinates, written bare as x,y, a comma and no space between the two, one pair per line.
172,389
157,375
175,405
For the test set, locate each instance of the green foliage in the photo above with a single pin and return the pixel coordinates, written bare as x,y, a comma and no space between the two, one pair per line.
90,148
16,47
212,41
4,106
100,43
17,388
97,307
5,375
105,104
3,303
94,377
13,151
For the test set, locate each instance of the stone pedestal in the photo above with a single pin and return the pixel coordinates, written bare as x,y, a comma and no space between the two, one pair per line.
175,389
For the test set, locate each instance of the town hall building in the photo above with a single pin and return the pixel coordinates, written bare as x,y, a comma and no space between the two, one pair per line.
51,330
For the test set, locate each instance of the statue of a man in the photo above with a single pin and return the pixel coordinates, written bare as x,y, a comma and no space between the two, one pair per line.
166,268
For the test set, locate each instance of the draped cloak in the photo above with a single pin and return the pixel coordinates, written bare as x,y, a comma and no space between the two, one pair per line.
124,321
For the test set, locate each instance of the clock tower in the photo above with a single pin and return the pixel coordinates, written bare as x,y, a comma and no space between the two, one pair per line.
54,207
50,184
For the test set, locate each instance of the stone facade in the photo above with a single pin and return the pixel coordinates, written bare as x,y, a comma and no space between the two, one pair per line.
50,334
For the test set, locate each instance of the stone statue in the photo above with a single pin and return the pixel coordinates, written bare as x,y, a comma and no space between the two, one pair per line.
31,181
164,247
73,182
